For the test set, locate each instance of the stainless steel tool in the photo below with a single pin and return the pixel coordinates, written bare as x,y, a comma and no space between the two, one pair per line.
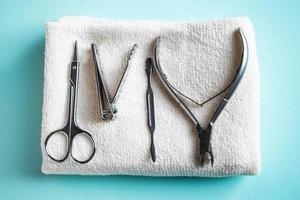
71,130
204,134
107,103
150,107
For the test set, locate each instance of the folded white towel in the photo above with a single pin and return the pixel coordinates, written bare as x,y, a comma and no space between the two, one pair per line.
199,58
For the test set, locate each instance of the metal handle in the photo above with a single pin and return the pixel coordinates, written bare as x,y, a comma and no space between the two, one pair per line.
93,150
66,149
150,107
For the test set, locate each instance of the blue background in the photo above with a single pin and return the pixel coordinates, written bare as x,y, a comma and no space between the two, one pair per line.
277,28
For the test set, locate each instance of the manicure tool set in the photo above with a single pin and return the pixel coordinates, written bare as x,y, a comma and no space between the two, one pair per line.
108,102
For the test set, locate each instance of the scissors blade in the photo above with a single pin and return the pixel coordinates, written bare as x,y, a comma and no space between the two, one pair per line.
75,53
74,67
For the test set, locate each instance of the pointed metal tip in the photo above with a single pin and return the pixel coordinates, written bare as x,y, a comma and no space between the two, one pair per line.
148,62
153,154
158,39
94,48
75,52
202,160
211,159
135,46
153,157
207,155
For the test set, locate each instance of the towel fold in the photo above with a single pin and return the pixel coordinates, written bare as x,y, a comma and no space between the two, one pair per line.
199,58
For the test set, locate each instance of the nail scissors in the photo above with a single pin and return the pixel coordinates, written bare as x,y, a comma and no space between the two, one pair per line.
107,103
71,130
204,134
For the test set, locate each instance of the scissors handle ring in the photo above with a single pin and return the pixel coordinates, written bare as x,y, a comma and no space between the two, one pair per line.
93,147
67,148
69,145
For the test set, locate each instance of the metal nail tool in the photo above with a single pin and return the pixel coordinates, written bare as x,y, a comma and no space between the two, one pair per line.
107,103
204,134
71,130
150,107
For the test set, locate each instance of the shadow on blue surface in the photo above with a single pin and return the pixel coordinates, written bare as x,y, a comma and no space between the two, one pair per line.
33,71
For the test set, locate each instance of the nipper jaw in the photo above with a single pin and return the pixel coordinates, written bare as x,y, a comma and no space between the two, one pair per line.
205,146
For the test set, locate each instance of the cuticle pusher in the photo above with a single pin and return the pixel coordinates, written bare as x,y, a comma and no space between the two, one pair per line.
150,107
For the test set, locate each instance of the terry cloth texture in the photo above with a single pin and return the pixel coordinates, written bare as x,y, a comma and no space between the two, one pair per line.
199,58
